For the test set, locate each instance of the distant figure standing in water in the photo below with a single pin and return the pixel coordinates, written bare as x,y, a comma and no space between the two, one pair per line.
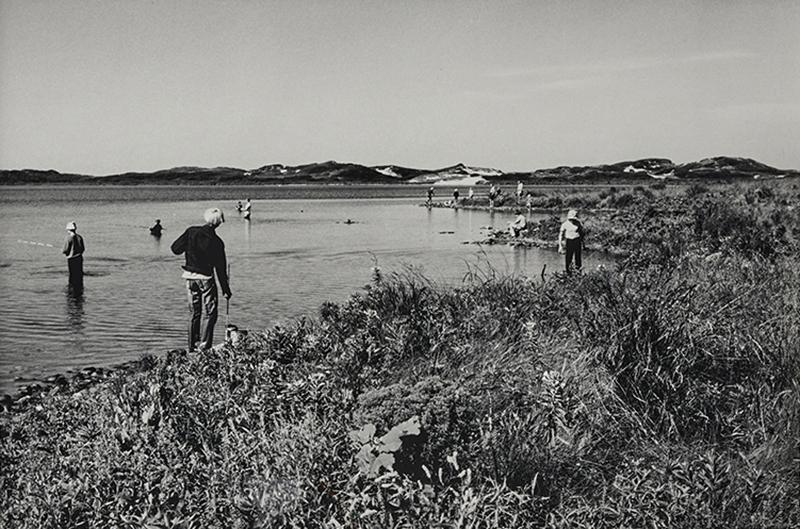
528,202
471,194
492,195
455,197
73,249
239,207
430,196
570,240
246,209
157,228
205,256
519,190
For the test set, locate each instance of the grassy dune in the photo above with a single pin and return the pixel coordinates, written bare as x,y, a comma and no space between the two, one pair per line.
664,393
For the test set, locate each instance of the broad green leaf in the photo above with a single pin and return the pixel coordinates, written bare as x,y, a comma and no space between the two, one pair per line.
391,442
364,435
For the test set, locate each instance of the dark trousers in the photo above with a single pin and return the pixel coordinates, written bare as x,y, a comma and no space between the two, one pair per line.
203,304
573,251
75,265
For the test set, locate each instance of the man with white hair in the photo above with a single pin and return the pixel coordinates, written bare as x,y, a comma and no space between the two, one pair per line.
73,249
205,256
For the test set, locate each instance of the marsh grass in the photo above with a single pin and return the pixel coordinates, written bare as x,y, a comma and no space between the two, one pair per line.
664,393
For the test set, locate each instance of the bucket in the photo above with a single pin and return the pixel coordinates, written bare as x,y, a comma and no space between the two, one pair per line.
233,335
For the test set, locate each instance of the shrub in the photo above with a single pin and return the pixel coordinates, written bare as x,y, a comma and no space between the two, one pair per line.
446,413
696,189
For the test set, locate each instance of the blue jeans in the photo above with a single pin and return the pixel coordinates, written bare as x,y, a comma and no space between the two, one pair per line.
203,304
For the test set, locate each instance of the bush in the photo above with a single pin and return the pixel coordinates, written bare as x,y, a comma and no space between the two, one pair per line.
446,412
695,190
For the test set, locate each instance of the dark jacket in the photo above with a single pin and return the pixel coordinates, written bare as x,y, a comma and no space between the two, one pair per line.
205,253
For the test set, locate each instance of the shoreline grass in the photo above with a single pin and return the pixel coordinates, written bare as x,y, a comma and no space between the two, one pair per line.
663,393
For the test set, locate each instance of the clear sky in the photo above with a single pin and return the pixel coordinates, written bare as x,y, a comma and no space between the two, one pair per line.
107,86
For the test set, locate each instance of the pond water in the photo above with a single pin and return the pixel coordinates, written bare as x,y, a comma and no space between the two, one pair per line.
296,252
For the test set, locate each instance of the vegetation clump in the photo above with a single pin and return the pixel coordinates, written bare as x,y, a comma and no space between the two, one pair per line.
662,393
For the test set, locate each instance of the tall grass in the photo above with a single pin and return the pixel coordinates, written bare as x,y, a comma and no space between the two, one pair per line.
665,393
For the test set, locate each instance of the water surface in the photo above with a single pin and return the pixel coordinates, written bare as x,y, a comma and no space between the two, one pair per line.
295,253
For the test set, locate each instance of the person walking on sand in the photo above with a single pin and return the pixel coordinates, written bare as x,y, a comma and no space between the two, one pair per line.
246,209
570,240
73,249
205,257
157,228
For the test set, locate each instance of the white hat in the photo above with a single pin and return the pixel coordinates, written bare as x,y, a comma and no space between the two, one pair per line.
572,214
71,226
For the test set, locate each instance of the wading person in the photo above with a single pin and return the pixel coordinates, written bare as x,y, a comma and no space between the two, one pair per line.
570,241
157,228
73,249
205,256
430,196
455,198
246,209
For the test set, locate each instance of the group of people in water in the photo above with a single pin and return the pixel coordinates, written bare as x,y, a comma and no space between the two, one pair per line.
495,195
571,233
205,260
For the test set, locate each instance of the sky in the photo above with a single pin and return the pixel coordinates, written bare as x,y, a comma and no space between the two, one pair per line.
108,86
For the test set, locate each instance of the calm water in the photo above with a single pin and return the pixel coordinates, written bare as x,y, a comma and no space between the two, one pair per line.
295,253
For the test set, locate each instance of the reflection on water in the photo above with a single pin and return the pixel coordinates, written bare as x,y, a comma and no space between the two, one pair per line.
74,308
520,259
286,262
247,233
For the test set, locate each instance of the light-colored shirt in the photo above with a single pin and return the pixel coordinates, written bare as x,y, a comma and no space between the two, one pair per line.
569,231
194,275
73,245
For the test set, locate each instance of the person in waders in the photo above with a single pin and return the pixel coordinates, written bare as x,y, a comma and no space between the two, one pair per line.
246,209
205,257
570,241
73,249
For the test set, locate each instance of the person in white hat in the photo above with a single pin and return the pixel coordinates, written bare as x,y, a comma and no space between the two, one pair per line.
570,240
73,249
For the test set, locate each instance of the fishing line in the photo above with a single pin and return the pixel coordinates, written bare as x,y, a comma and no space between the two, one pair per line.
36,243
